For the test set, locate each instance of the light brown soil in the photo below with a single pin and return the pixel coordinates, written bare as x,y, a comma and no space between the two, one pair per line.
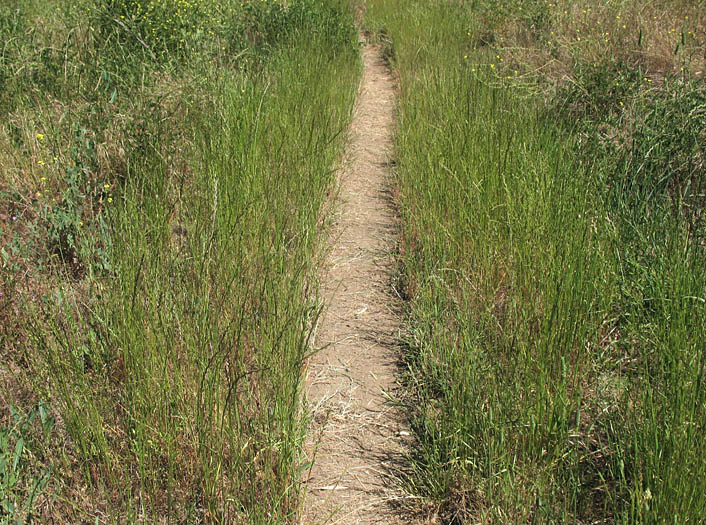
359,437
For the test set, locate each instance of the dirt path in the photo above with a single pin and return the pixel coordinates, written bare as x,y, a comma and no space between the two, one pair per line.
359,437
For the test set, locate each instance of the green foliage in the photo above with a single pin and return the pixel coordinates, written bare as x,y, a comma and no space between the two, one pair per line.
163,27
662,156
598,91
80,246
535,14
268,23
20,485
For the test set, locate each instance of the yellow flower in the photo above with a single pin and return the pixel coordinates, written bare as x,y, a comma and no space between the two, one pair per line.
40,136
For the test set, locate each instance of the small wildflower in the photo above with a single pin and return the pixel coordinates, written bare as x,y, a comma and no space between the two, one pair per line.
41,163
110,199
43,179
40,136
106,186
38,194
14,217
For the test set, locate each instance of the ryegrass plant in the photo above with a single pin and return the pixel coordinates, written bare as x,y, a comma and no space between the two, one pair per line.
161,208
555,273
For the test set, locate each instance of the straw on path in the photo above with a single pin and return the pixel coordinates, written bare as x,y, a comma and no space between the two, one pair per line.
359,436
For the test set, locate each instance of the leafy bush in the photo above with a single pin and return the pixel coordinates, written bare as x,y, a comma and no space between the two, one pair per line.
162,27
80,247
597,91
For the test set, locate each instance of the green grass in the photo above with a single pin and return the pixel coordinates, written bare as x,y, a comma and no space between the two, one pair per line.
162,200
553,258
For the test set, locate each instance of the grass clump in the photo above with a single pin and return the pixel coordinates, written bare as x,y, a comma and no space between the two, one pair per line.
164,167
551,192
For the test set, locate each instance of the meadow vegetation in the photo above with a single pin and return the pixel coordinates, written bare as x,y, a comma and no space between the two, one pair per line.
164,166
550,169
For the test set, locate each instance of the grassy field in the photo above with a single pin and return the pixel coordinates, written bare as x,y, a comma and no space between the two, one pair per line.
164,169
164,166
550,165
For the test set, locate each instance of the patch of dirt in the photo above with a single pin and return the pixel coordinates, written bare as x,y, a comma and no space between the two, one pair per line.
359,438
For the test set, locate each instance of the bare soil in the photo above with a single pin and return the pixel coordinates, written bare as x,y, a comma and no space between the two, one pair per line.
359,437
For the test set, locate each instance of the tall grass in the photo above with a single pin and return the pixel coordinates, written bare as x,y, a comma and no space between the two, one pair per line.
166,282
556,282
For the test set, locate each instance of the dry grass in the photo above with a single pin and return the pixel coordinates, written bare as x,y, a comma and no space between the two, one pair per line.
542,42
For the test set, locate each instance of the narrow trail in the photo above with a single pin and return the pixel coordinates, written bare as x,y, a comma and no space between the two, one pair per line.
359,438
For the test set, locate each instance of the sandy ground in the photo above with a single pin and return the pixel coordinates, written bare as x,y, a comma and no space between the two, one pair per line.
359,438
